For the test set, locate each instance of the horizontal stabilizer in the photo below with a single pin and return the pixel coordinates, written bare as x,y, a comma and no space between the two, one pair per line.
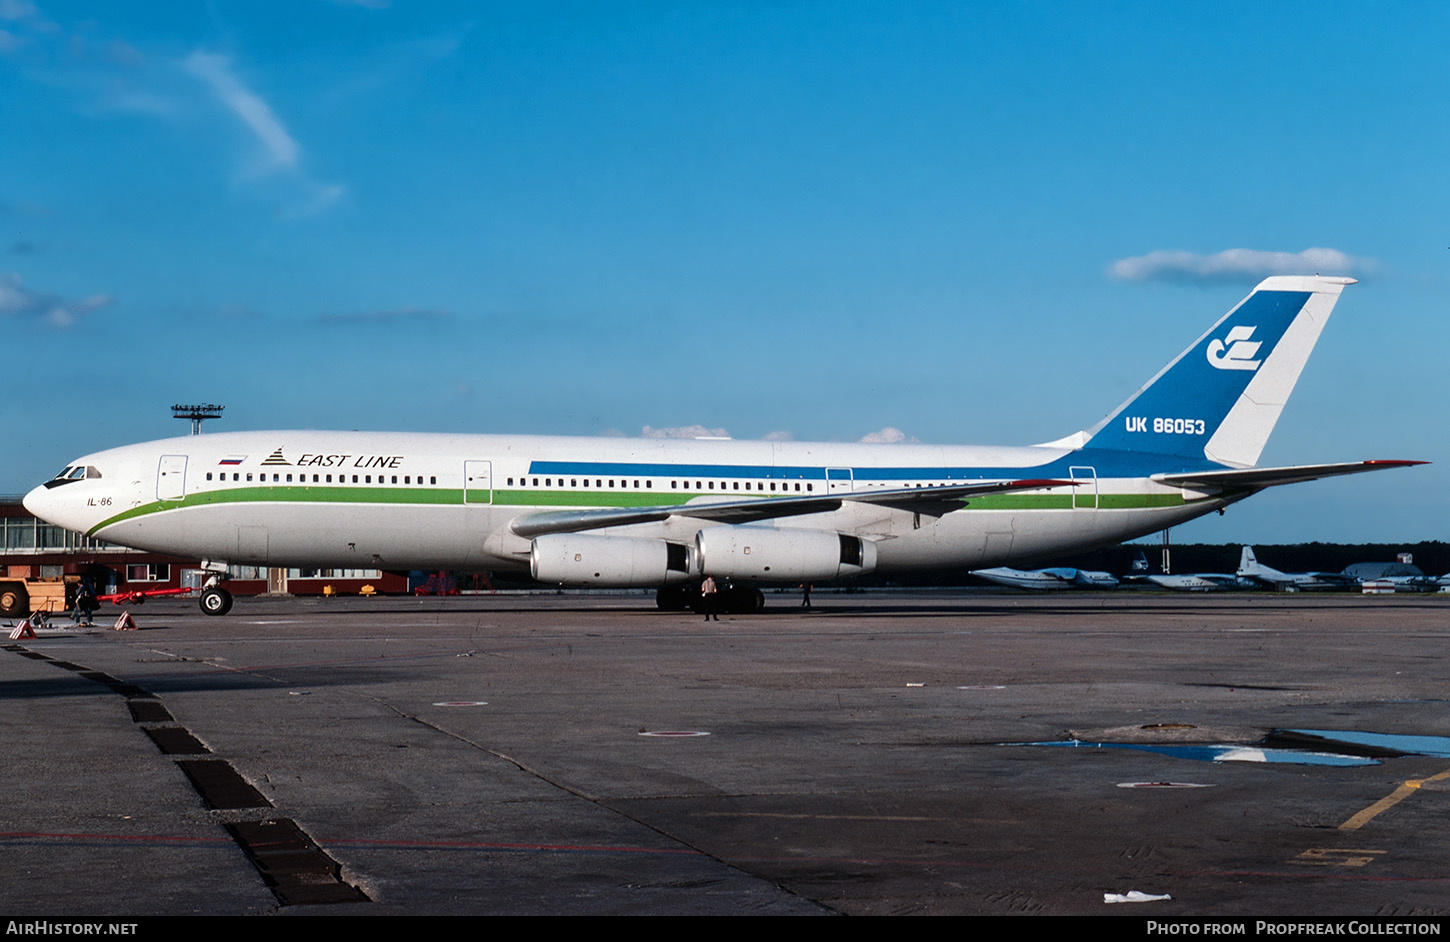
931,500
1257,478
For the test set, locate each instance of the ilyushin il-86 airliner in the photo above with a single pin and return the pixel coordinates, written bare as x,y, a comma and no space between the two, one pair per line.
665,513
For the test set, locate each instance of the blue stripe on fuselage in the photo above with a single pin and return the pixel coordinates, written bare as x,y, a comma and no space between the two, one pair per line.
1107,463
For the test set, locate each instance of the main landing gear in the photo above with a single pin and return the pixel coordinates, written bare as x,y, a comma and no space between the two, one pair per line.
731,599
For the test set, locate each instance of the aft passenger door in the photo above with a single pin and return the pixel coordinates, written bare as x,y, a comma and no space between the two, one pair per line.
1085,487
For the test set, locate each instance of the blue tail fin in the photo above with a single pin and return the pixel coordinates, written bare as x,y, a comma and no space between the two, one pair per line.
1220,398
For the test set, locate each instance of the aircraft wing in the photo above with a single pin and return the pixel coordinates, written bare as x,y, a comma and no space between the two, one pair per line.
1257,478
934,501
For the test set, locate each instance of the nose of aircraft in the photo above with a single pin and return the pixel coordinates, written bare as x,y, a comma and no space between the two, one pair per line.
56,505
39,502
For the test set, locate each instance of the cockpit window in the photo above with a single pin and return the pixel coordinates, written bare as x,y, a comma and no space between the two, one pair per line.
76,472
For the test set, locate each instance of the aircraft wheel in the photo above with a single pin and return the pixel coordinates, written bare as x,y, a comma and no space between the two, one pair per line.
216,601
742,601
14,600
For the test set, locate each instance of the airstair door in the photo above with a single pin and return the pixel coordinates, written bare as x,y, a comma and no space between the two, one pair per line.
478,482
171,477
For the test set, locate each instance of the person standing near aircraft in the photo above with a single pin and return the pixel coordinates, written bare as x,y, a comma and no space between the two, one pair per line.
85,602
708,591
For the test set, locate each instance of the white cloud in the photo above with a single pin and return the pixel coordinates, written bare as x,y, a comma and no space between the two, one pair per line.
16,300
17,10
1234,266
250,108
404,315
889,436
281,155
683,431
779,436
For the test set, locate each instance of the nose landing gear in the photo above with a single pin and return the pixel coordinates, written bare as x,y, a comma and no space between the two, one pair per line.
215,600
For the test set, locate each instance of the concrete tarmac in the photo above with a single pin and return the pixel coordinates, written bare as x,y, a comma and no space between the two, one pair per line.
591,755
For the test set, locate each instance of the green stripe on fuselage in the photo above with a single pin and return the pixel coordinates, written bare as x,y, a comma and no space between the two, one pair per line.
436,496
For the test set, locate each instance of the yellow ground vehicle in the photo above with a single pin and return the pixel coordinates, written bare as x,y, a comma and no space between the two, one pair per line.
19,596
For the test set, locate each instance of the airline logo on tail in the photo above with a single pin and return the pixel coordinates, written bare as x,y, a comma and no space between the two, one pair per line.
1234,352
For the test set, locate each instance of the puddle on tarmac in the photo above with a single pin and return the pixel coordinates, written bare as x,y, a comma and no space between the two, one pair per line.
1210,753
1294,746
1353,742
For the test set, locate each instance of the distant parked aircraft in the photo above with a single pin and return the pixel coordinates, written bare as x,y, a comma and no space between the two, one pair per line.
1200,581
1053,578
1250,568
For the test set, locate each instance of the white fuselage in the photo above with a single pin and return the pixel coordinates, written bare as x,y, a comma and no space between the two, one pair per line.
400,501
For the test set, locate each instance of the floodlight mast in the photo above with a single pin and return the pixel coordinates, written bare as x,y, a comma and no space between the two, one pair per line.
197,414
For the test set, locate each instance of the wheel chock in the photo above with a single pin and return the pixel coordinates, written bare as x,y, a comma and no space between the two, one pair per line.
23,630
124,623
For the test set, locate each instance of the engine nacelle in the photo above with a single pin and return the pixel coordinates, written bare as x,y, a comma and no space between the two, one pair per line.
617,561
774,554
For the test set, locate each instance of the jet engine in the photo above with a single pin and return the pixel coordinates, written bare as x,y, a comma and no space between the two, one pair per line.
619,561
778,554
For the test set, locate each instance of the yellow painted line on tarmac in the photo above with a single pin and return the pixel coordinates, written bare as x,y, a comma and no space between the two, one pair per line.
1389,801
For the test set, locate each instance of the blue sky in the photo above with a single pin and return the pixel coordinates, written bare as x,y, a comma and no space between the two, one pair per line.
973,223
